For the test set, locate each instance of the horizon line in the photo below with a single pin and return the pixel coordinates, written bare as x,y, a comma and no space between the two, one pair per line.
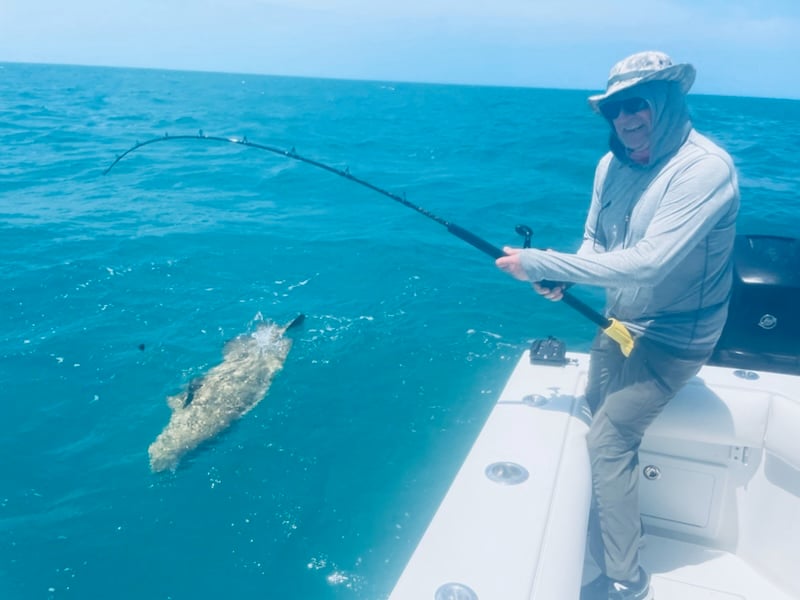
360,79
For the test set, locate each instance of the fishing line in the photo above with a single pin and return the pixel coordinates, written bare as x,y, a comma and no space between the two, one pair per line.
611,327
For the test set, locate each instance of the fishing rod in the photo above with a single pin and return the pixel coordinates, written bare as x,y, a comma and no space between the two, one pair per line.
611,327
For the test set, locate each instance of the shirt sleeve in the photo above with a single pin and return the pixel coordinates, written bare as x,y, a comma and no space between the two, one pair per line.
695,200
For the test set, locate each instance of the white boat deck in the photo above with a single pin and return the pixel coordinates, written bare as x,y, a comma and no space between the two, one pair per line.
684,571
722,512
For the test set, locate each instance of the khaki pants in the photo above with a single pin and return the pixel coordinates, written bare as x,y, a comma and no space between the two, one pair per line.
625,395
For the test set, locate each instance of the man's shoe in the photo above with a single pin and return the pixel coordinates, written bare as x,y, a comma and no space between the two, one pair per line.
596,589
631,590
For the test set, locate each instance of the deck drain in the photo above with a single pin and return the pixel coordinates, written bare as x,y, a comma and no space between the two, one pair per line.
507,473
455,591
743,374
651,472
535,400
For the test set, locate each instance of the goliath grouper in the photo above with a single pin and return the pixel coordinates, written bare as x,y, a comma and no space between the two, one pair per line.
228,391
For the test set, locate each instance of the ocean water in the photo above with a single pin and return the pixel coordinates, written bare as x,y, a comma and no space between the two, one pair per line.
119,289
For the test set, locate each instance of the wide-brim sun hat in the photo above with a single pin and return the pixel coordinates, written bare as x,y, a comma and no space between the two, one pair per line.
640,68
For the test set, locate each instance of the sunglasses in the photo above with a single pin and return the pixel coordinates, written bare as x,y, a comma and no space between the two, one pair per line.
611,110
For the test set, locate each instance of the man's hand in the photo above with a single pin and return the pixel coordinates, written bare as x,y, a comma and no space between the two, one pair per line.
554,293
511,264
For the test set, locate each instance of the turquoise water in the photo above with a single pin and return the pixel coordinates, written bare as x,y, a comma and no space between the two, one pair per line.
119,289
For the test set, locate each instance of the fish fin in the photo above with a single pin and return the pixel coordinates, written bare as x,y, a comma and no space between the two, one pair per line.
177,401
194,385
184,399
298,320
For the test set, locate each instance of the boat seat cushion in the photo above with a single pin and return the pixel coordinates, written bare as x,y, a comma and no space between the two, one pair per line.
699,414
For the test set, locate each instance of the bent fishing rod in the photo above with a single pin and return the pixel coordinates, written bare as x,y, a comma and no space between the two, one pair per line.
611,327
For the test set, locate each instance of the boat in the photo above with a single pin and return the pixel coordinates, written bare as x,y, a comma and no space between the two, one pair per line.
719,468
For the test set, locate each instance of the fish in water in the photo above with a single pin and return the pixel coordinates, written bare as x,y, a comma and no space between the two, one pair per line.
229,390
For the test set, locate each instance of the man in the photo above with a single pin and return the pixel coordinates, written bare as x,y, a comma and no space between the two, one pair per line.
658,236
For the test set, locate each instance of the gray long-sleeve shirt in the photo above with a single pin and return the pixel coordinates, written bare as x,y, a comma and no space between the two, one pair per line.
659,240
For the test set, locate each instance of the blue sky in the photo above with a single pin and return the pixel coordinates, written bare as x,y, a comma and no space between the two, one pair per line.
749,48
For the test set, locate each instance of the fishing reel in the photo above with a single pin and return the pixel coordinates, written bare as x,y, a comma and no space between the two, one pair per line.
526,232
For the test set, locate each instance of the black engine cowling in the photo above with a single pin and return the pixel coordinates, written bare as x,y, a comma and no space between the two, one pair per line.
763,327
